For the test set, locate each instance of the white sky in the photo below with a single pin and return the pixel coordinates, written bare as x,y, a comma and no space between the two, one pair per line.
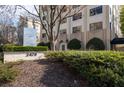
22,12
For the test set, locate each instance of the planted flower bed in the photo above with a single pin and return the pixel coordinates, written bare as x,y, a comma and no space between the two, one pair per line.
100,68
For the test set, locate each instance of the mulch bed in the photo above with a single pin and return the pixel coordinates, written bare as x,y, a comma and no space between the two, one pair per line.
45,73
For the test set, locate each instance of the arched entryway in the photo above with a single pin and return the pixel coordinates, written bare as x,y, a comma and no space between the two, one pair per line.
95,44
63,46
74,44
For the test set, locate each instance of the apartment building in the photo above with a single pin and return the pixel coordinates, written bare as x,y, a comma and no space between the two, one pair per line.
8,34
94,23
25,22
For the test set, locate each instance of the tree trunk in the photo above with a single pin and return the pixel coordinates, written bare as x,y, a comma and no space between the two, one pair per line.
52,45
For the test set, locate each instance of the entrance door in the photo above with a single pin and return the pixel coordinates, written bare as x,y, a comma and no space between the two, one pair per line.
63,46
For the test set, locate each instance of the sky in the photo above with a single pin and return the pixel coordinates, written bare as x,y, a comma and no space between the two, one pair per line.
22,12
14,21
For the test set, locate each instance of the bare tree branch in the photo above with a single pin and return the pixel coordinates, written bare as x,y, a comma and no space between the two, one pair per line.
60,12
75,13
28,11
51,16
43,23
58,29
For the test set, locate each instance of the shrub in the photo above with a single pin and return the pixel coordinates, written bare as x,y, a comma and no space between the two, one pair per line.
1,48
1,53
74,44
100,68
7,74
44,44
24,48
1,57
95,44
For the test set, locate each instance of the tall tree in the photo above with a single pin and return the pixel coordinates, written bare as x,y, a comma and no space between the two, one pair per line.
7,13
51,16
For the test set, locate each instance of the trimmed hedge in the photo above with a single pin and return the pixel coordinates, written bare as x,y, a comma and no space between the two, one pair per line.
44,44
1,49
99,68
1,54
24,48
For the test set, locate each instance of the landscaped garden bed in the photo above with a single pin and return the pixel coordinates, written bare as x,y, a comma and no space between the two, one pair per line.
12,48
11,53
67,68
99,68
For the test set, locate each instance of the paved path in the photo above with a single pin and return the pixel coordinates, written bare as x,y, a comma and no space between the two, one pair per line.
45,74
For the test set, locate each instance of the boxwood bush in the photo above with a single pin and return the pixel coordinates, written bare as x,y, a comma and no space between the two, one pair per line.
1,48
24,48
1,53
99,68
44,44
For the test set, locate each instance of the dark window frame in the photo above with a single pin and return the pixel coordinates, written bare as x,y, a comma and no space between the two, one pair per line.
97,10
75,6
64,21
77,16
63,31
76,29
43,35
96,26
63,47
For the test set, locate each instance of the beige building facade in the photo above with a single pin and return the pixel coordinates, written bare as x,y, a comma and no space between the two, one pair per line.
92,22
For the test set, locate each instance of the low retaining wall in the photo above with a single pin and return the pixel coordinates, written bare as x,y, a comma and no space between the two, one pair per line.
22,56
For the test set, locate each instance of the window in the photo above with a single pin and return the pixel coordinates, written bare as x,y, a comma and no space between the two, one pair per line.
63,47
25,24
95,11
96,26
99,9
75,6
33,23
64,21
76,29
92,12
77,16
110,26
63,31
44,35
110,11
